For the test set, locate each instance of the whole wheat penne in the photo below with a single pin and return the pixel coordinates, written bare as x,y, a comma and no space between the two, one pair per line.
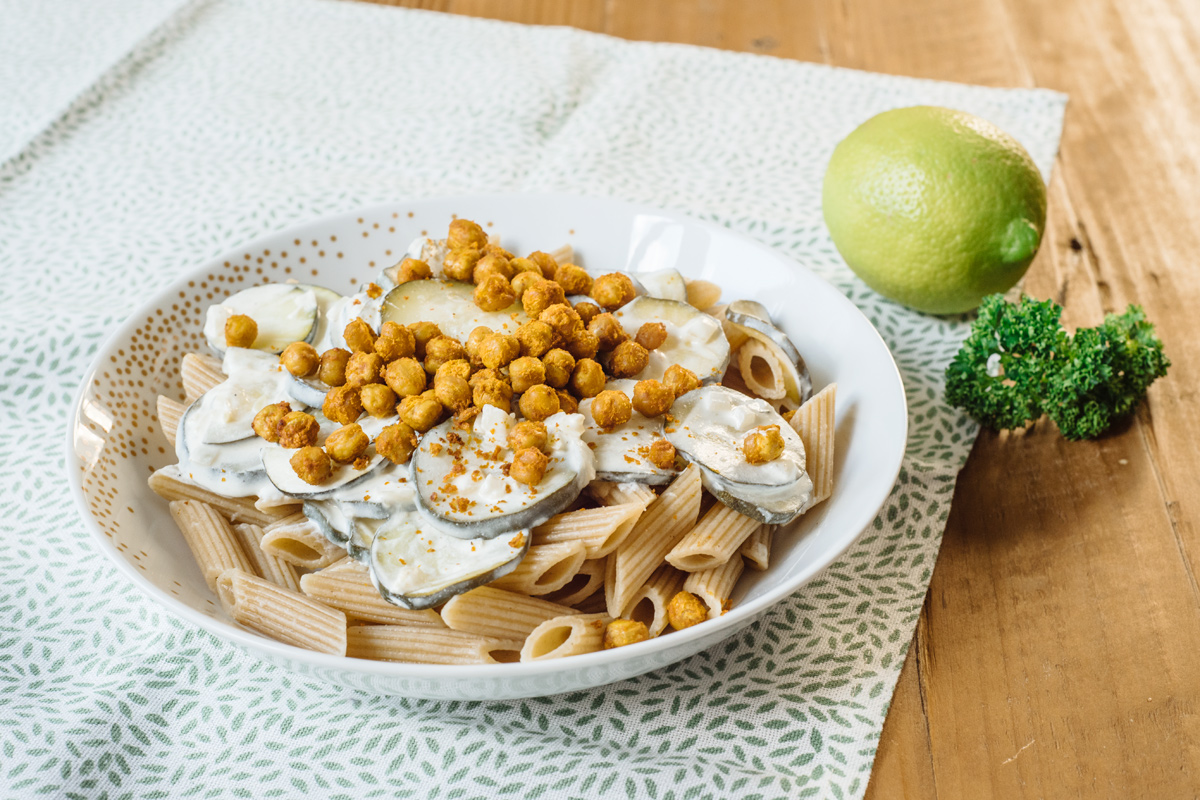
169,413
756,550
716,537
601,530
660,528
814,421
266,565
615,494
210,539
346,585
714,586
423,644
545,568
281,613
565,636
564,254
595,604
649,604
297,540
498,614
199,374
169,484
586,583
702,294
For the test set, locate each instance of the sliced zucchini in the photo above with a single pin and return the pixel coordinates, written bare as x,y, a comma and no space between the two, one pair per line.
284,313
226,412
362,534
345,310
306,391
449,304
746,318
415,565
387,489
694,339
277,463
329,519
666,284
432,251
708,427
622,454
231,469
326,299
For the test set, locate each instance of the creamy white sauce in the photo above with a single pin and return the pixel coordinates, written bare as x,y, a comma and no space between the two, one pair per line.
345,310
283,313
694,340
624,449
718,423
665,283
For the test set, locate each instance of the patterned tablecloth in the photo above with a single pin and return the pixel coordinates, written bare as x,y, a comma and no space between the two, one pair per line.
233,118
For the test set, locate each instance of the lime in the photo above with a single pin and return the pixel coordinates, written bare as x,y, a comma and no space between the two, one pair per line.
934,208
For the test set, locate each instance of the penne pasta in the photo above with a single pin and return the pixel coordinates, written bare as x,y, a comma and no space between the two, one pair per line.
756,550
169,413
761,370
346,585
714,540
423,644
649,604
297,540
702,294
199,374
266,565
281,613
564,254
814,421
210,539
601,530
614,494
169,484
546,568
565,636
586,583
661,526
498,614
714,586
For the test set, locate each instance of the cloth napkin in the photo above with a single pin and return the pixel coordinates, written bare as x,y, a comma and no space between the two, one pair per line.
239,117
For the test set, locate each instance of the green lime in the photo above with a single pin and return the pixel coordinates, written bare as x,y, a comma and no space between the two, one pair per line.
934,208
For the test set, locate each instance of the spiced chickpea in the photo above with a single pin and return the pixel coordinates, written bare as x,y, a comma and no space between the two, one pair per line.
346,443
528,433
621,632
763,444
539,403
374,290
342,404
300,358
662,454
545,262
472,344
423,333
520,265
412,269
240,331
651,335
465,235
312,465
363,368
526,372
586,311
267,421
494,293
652,398
498,350
607,330
496,250
523,280
459,367
582,344
492,391
492,264
628,359
459,265
562,318
420,413
557,365
298,429
529,466
535,338
332,371
573,279
587,379
405,377
686,610
396,443
567,403
611,408
487,375
441,349
359,336
613,290
680,380
395,341
377,400
453,392
540,296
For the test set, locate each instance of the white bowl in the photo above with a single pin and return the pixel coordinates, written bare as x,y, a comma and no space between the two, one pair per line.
114,442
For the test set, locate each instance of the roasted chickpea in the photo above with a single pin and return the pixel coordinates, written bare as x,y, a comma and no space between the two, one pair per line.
396,443
494,293
539,403
459,265
423,333
465,235
493,391
627,359
540,296
587,379
441,349
686,610
420,413
240,331
573,279
545,262
586,311
472,344
613,290
412,269
662,454
312,465
300,358
332,371
529,466
359,337
377,399
763,444
680,380
535,338
487,375
498,350
492,264
567,403
611,408
607,330
363,368
429,394
526,372
298,429
523,280
562,318
651,335
652,398
405,377
374,290
343,404
557,366
528,433
582,344
458,367
621,632
520,265
267,421
346,443
395,341
453,392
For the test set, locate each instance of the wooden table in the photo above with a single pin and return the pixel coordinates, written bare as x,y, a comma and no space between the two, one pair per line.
1058,652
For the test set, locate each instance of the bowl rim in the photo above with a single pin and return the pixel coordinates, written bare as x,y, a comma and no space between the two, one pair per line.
250,641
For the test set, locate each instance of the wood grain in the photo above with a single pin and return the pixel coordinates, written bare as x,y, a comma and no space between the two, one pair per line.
1058,653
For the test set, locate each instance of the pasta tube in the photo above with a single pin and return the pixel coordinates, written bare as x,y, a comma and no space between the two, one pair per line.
814,421
565,636
423,644
281,613
296,540
756,550
714,586
601,530
713,541
210,539
266,565
497,614
169,484
346,585
169,413
586,583
546,568
199,374
649,604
